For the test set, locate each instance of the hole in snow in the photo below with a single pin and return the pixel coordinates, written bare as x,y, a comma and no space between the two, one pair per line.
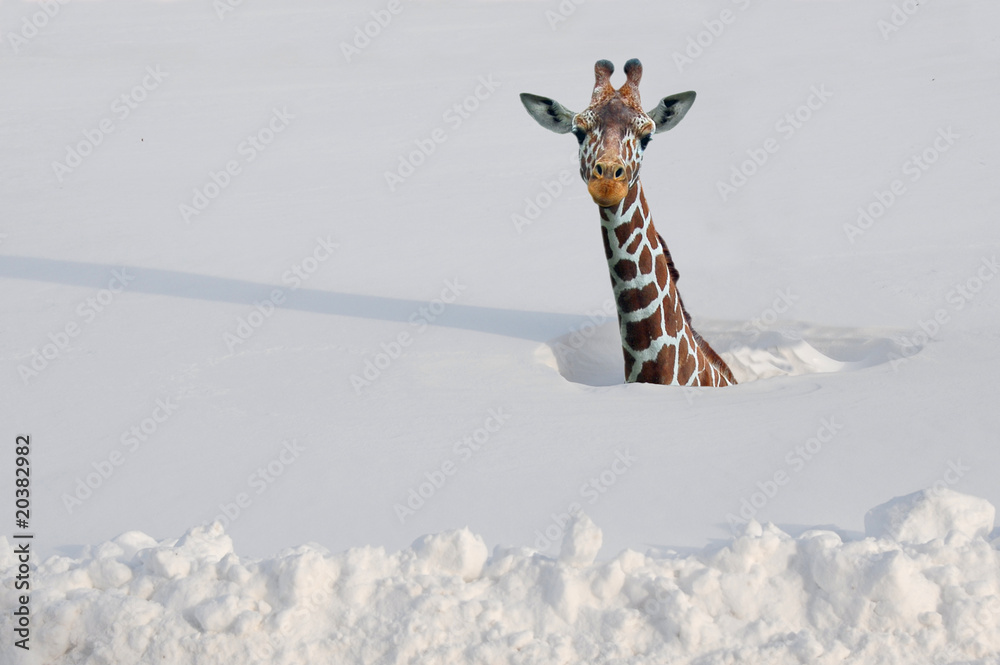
592,355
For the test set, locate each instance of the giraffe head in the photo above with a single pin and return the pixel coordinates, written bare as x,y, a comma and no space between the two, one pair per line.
613,131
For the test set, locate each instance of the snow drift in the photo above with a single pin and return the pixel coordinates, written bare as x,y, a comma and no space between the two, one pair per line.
923,586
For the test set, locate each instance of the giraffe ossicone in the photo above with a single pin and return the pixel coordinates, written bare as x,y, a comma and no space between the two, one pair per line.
658,341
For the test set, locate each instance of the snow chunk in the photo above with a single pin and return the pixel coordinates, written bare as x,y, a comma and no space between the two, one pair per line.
201,545
928,514
607,580
165,562
209,543
458,552
581,543
131,542
564,591
306,574
217,614
109,573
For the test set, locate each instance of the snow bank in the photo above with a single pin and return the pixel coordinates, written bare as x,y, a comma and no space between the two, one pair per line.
766,597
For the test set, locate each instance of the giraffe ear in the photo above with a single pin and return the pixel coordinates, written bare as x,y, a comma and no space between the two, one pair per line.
671,110
549,113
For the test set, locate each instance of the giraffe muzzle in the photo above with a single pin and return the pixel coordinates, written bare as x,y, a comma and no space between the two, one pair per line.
607,184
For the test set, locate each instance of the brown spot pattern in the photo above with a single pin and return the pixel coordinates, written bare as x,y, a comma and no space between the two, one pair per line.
631,300
661,272
675,323
623,233
646,261
660,370
625,269
640,334
652,236
686,367
633,246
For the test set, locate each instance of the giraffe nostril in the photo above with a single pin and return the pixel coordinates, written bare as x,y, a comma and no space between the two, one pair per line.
619,173
599,171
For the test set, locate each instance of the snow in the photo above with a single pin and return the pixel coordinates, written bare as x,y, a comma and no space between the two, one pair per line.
582,542
928,514
763,597
419,374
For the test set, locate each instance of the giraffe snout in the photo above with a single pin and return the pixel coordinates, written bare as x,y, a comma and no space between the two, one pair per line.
607,185
610,170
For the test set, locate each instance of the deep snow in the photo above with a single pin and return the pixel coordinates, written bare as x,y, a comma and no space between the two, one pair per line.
213,365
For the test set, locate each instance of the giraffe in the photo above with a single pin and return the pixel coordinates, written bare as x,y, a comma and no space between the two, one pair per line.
658,341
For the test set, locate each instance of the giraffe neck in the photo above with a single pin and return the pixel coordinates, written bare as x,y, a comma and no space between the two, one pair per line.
659,344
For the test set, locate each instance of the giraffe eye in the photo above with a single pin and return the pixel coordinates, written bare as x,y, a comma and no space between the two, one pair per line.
644,141
579,134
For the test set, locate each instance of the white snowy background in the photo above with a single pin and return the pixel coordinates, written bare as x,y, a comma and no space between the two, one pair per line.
202,254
